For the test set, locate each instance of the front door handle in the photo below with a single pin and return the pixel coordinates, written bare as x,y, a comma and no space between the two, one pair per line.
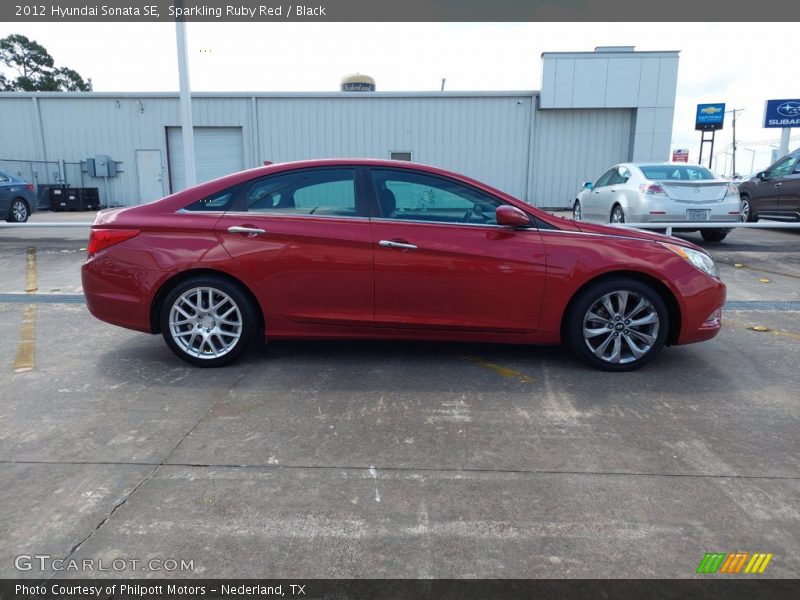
250,230
401,245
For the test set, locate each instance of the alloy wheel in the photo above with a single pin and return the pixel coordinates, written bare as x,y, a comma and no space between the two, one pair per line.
745,211
576,211
621,327
617,215
205,322
19,211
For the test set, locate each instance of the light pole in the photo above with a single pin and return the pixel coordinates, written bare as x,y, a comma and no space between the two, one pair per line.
187,128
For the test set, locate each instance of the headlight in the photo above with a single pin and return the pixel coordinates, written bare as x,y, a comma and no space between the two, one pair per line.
701,260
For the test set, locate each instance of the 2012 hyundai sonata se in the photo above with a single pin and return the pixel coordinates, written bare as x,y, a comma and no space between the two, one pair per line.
390,250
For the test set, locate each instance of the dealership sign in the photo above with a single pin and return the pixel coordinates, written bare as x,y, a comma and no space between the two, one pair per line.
709,116
782,113
680,155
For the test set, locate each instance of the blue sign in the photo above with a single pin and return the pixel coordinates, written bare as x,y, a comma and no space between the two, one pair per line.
709,116
782,113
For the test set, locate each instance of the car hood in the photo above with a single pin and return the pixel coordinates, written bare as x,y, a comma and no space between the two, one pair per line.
632,233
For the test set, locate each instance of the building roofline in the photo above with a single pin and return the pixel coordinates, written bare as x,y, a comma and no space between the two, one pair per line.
612,54
433,94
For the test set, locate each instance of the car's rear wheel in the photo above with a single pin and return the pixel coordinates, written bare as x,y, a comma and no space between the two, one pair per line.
746,212
18,211
576,211
208,321
618,324
617,215
714,235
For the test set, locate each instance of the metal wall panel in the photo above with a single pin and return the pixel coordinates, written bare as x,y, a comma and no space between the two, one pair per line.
572,146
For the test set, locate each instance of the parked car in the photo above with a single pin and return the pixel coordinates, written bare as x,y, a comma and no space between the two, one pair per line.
391,250
660,192
17,198
773,193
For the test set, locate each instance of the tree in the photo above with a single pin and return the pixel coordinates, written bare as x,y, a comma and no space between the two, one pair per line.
35,68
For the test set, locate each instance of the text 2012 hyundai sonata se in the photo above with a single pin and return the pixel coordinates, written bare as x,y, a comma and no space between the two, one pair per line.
390,250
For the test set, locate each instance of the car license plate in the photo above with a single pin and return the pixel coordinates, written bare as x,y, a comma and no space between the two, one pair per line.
697,214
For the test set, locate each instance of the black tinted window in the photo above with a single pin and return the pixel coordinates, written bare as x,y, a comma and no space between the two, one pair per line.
673,173
218,202
605,178
414,196
325,192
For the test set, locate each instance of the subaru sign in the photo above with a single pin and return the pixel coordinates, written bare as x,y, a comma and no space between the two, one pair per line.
709,117
782,113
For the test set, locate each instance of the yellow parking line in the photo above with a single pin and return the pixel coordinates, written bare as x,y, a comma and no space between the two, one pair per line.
506,372
25,347
30,270
760,270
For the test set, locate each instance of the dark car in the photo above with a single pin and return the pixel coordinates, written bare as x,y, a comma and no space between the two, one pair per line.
17,198
387,249
773,193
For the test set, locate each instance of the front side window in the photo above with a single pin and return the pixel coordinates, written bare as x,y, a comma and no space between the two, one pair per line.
414,196
783,167
323,192
605,178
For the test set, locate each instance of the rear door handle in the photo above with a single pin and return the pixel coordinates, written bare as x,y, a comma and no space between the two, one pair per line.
250,230
401,245
779,184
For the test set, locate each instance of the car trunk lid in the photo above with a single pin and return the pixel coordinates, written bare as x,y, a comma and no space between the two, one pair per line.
695,192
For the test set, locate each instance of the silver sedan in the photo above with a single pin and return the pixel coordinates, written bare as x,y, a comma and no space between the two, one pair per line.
660,192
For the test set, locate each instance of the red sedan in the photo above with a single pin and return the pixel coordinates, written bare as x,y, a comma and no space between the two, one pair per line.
390,250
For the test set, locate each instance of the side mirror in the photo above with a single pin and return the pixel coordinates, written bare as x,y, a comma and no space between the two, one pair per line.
762,175
511,216
588,185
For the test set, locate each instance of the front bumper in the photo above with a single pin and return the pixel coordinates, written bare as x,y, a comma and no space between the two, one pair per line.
702,299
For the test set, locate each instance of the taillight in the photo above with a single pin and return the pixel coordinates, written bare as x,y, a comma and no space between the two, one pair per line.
652,188
732,189
100,239
29,186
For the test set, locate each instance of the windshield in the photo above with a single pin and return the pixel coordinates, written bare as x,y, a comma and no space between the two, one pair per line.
676,173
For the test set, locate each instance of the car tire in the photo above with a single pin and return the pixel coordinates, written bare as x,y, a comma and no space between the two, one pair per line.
714,235
748,216
18,211
617,324
208,321
576,211
617,215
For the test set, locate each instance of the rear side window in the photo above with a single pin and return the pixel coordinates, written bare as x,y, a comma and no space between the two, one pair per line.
321,192
219,202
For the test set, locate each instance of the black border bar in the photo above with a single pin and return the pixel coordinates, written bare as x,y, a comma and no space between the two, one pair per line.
399,10
708,587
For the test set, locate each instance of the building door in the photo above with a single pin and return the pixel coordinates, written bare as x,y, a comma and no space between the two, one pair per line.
150,175
218,151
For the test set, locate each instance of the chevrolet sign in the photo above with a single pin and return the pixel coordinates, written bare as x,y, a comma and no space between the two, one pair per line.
709,117
782,113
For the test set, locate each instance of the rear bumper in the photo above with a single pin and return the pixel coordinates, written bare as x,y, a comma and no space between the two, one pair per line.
117,294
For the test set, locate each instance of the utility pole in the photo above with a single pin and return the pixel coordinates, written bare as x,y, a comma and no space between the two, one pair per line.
187,129
733,150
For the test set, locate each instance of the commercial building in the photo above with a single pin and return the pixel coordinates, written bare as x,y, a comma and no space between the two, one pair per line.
594,109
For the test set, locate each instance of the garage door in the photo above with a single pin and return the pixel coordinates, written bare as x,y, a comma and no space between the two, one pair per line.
218,151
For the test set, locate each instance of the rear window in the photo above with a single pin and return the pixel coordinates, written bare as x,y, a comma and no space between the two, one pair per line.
676,173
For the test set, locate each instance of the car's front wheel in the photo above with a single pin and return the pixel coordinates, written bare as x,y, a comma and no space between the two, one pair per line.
208,321
576,211
618,324
18,211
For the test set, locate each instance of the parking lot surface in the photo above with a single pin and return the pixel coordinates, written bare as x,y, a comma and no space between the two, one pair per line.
371,459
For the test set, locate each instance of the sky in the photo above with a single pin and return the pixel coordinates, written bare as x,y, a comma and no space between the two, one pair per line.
741,64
